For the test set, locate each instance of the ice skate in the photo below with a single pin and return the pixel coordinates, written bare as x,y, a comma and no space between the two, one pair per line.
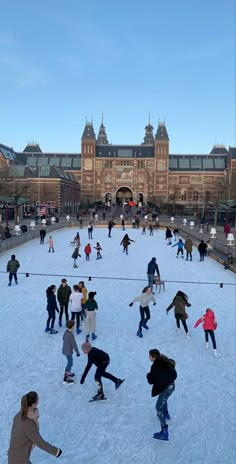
216,354
67,380
118,383
178,331
53,331
162,435
94,336
207,346
139,334
188,336
144,325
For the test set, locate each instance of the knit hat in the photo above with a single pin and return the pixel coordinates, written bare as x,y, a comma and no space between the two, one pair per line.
86,347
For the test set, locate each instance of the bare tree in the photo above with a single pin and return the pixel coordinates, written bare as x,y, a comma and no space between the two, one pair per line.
13,189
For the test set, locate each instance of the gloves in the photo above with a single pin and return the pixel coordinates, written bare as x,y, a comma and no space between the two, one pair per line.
78,354
154,304
81,381
59,452
131,304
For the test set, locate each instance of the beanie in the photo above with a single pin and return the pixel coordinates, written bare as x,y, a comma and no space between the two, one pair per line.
13,256
86,347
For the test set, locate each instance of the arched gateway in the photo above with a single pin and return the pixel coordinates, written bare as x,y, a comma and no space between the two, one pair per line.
124,194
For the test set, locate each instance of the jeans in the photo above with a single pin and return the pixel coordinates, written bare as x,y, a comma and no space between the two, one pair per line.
11,275
51,318
69,362
190,254
212,335
180,250
63,307
202,256
77,316
144,312
179,318
150,280
161,404
101,372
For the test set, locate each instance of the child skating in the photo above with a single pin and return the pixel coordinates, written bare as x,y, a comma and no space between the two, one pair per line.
179,302
87,250
101,360
75,256
180,250
50,245
69,345
209,326
99,249
145,298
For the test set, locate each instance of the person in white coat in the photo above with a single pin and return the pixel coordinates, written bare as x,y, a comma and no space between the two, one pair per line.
76,307
145,298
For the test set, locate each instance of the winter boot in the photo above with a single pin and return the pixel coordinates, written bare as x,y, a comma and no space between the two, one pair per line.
53,331
94,336
139,333
162,435
144,325
118,383
217,355
78,331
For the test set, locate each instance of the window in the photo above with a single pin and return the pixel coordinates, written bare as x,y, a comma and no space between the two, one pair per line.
140,164
195,195
183,195
108,164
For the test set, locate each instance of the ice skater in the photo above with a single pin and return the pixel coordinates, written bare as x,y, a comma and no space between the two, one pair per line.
75,256
145,298
151,269
202,248
87,250
101,360
180,249
51,309
90,308
84,291
168,236
63,297
126,241
188,247
179,302
69,345
25,433
162,376
42,235
209,327
76,308
50,245
99,249
12,267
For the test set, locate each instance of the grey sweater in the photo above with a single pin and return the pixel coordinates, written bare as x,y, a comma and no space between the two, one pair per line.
69,343
145,299
24,434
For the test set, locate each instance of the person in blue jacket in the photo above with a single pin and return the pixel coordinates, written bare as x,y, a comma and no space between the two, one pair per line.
180,245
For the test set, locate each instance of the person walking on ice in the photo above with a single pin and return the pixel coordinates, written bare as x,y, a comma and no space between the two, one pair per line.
209,326
179,302
50,245
162,376
69,345
63,296
101,360
180,245
145,298
188,247
87,250
90,308
12,267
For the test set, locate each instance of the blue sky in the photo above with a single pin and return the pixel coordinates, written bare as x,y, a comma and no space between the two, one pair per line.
63,61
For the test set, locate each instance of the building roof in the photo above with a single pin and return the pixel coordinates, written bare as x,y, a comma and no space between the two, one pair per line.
125,151
218,150
89,131
70,161
161,133
8,153
32,147
200,163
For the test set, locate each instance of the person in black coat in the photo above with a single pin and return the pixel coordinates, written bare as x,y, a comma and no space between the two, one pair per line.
101,361
42,235
162,378
168,236
202,248
51,309
151,269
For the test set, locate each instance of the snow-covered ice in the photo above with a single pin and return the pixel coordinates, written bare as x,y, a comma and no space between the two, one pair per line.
119,430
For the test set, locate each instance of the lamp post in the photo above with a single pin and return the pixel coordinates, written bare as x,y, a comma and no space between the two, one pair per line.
7,215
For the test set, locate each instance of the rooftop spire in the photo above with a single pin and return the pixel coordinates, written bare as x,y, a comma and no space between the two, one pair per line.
148,139
102,136
161,133
88,131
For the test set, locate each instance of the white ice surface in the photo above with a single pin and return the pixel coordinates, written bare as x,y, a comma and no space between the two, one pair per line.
119,430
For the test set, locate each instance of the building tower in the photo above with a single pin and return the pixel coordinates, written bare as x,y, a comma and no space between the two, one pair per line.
102,136
148,138
88,153
161,163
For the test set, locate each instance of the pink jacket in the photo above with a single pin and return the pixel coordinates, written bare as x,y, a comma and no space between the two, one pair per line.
50,242
208,319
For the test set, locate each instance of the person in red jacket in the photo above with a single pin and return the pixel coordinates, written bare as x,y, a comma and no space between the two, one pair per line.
209,326
87,251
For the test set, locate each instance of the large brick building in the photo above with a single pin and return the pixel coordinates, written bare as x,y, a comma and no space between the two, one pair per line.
145,172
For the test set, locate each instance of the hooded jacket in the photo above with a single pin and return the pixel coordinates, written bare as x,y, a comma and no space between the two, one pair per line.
179,304
152,267
208,319
162,374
